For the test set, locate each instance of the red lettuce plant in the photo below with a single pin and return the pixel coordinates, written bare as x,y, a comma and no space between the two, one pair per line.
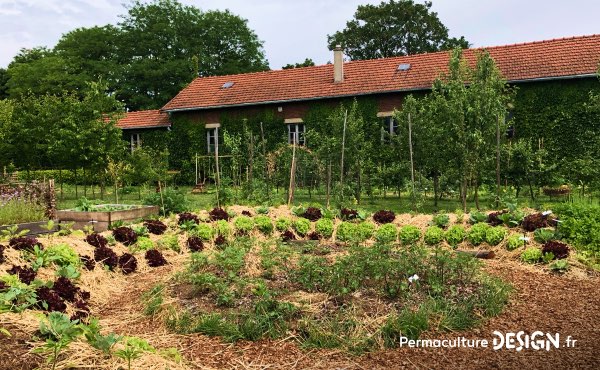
559,249
96,240
195,244
187,216
288,235
312,213
125,235
53,301
155,227
3,286
348,214
25,243
314,236
494,219
82,310
88,262
65,289
127,263
384,217
106,256
2,248
246,213
220,240
218,214
535,221
25,274
155,258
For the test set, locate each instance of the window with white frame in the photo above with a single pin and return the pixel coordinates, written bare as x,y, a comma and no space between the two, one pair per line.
212,139
296,133
135,141
389,128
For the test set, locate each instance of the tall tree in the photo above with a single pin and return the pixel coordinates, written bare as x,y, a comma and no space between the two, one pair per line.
4,83
307,63
394,28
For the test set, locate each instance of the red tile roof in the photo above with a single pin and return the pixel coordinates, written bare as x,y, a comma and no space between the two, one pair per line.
144,119
557,58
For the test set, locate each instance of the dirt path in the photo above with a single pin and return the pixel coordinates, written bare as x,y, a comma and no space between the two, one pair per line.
543,302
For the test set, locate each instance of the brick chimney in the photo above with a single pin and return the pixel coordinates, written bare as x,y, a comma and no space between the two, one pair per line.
338,64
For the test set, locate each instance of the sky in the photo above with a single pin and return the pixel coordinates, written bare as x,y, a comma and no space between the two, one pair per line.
293,30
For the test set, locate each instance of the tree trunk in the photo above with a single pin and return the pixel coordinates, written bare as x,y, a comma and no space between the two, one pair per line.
342,159
292,187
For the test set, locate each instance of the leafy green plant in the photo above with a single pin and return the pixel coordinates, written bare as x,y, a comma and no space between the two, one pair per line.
262,210
324,227
170,201
495,235
531,255
543,236
18,296
243,225
460,216
13,232
477,233
547,257
143,244
59,332
94,337
441,220
140,230
301,226
560,265
387,233
364,231
68,271
133,348
515,241
346,231
409,234
222,228
204,231
477,217
283,224
169,242
264,224
62,255
455,235
433,235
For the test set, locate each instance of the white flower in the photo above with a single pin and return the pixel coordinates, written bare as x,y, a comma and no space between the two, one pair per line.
524,238
546,213
413,278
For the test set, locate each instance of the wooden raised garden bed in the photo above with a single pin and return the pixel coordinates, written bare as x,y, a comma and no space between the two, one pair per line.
35,228
103,219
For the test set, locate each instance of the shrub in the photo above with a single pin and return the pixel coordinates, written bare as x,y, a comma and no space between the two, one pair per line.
477,217
409,234
195,244
455,235
125,235
531,255
387,233
25,243
155,227
433,235
283,224
204,231
25,274
346,231
544,235
477,233
558,249
535,221
324,227
243,225
495,235
312,213
127,263
106,256
96,240
155,258
384,217
217,214
302,226
187,217
441,220
348,214
264,224
172,201
514,242
223,228
364,231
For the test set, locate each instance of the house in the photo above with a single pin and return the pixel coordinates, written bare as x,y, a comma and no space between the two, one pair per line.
289,94
134,124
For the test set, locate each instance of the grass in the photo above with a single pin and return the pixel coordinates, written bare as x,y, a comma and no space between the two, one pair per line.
17,211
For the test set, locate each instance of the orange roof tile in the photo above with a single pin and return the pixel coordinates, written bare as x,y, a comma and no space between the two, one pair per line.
144,119
558,58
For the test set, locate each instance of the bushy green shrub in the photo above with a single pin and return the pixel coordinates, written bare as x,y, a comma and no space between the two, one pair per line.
283,224
409,234
264,224
204,231
515,241
302,226
441,220
223,228
172,201
531,255
477,233
495,235
387,233
346,231
433,235
324,227
243,224
364,231
455,235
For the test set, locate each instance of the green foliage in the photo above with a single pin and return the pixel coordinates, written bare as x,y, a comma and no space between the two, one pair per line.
560,265
477,233
495,235
62,255
455,235
223,228
544,235
171,201
283,224
243,224
307,63
143,244
68,271
515,241
169,242
409,234
264,224
206,232
531,255
477,217
302,226
59,331
380,31
94,337
19,211
364,231
387,233
346,231
18,297
433,235
133,348
407,323
441,220
153,300
324,226
262,210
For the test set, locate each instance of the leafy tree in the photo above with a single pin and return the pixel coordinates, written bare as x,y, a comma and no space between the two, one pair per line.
307,63
4,83
394,28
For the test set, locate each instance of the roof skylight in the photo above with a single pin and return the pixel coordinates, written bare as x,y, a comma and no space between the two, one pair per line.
227,85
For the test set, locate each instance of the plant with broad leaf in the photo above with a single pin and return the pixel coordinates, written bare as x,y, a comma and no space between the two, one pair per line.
133,348
59,332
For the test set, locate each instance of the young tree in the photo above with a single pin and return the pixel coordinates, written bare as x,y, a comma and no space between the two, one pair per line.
394,28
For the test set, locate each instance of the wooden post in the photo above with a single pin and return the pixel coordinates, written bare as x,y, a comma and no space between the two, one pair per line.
412,164
217,175
497,161
196,169
264,147
342,159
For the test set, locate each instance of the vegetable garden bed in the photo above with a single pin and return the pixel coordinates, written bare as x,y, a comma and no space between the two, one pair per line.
104,215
